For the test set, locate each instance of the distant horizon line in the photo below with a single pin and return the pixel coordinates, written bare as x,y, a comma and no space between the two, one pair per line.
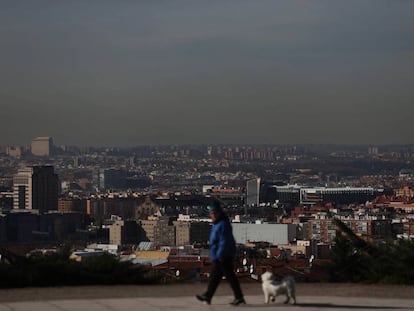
220,144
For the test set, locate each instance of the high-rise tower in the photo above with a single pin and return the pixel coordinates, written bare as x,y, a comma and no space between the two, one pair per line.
42,146
36,188
253,192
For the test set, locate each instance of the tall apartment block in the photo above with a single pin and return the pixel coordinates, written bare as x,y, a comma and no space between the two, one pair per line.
23,189
187,232
35,188
159,230
253,192
42,146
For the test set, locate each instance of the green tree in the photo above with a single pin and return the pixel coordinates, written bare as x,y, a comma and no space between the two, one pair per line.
356,260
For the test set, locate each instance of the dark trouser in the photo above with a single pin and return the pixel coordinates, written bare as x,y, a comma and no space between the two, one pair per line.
220,269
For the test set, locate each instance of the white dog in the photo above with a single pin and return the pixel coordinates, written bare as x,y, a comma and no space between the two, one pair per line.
272,288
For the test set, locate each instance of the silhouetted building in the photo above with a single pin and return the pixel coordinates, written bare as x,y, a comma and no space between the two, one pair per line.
137,182
125,232
3,226
6,200
115,179
59,227
27,226
22,226
105,179
268,191
187,232
101,209
45,188
36,188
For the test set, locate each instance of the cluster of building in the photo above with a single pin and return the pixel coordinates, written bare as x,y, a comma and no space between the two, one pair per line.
39,147
147,202
39,213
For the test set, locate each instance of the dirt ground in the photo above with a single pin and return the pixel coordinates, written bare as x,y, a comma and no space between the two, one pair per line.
176,290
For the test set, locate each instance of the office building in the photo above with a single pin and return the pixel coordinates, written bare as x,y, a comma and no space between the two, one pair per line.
123,232
23,188
115,232
325,230
45,185
228,195
264,232
36,188
346,195
187,232
252,192
373,150
98,179
314,195
159,230
15,152
42,146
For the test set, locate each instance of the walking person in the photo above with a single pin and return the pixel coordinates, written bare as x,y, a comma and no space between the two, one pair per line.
222,254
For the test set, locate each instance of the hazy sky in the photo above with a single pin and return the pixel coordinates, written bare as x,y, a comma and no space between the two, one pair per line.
157,72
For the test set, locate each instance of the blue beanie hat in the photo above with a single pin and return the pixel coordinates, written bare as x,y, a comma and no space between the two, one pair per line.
215,206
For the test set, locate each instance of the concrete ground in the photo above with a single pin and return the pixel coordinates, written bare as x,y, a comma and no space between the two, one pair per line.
181,297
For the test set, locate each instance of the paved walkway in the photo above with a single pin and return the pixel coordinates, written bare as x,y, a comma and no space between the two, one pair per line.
220,303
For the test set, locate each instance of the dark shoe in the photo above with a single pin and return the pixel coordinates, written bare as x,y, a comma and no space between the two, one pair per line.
204,299
238,301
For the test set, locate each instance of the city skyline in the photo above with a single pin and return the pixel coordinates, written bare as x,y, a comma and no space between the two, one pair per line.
59,147
189,72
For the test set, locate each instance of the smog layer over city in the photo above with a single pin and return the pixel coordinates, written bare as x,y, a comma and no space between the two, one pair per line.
100,73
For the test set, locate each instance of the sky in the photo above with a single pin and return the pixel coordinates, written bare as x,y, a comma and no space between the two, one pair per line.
127,73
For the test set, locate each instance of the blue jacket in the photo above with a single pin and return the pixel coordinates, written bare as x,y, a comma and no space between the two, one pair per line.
222,243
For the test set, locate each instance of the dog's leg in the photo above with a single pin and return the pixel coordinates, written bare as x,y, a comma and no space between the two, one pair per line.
288,294
266,294
293,297
273,298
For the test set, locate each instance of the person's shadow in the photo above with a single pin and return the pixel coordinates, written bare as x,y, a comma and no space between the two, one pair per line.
332,305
